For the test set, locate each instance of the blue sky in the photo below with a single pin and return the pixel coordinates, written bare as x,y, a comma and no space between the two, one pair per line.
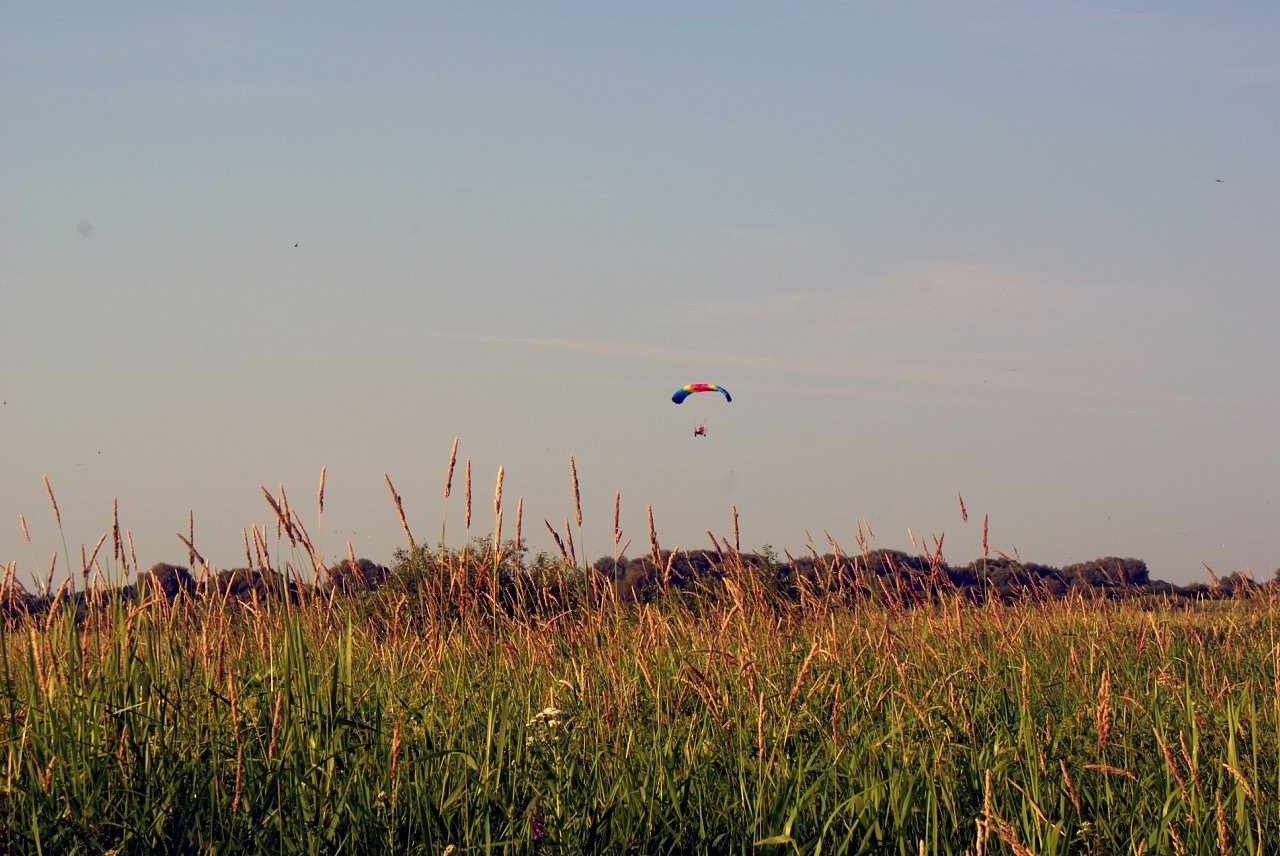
932,248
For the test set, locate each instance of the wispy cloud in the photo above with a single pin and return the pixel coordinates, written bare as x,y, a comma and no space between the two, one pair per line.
934,330
903,380
937,297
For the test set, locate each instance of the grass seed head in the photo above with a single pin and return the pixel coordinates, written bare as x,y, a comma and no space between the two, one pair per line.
617,508
519,519
466,516
497,493
448,476
577,498
57,515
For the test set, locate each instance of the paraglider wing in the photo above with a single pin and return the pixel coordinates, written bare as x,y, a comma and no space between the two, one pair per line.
689,389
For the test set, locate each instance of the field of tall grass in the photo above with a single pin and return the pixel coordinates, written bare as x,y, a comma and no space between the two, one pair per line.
481,701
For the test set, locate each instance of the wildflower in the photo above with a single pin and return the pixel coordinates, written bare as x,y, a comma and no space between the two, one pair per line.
548,716
536,828
544,725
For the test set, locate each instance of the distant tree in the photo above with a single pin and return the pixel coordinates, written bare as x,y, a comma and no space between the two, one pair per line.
1109,571
245,584
1236,583
15,602
1011,576
634,580
1196,590
170,579
895,562
364,575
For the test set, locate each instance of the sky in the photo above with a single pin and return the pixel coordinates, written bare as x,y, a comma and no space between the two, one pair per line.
1023,253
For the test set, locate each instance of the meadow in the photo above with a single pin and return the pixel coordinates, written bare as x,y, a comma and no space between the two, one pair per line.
479,699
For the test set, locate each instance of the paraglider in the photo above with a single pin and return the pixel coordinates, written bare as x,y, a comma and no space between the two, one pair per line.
700,427
689,389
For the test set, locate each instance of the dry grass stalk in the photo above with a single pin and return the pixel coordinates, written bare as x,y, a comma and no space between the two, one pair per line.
617,509
304,538
320,493
395,755
193,553
128,536
286,518
1244,783
466,514
448,476
117,545
26,536
1172,764
654,551
275,726
564,555
715,545
1224,833
984,826
85,564
259,546
1192,770
1178,847
737,544
519,520
497,493
1102,714
395,497
964,514
1071,787
57,600
1007,834
1110,770
190,540
577,498
804,672
568,533
57,515
271,501
985,549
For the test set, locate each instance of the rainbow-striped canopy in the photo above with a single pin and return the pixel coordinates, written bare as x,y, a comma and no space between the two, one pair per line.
690,388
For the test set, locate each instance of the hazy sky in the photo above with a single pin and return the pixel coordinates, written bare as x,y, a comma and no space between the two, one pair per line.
932,248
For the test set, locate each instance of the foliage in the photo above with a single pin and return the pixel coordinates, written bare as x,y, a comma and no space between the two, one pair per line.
729,718
484,699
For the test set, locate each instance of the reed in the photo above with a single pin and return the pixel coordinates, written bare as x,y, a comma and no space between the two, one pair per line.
448,488
395,498
724,716
577,510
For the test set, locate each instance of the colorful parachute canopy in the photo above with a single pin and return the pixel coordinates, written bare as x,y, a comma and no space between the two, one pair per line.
689,389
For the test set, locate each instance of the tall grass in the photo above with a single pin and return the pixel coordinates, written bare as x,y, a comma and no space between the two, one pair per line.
542,715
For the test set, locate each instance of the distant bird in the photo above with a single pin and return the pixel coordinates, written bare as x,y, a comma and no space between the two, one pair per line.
295,245
1219,181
